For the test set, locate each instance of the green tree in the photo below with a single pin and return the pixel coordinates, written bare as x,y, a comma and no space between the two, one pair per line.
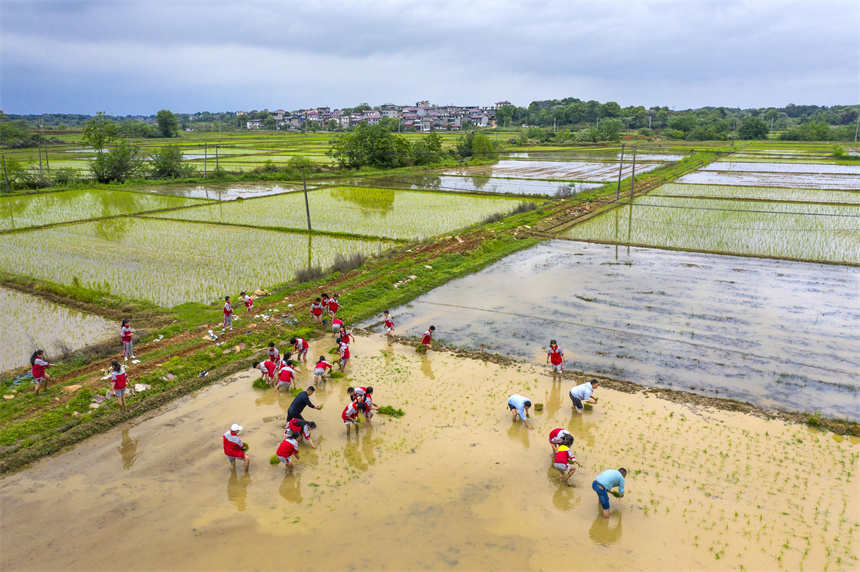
390,123
610,129
119,164
166,163
168,124
371,146
753,128
99,131
427,150
478,146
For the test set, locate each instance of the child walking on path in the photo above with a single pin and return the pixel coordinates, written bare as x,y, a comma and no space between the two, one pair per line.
40,378
228,313
127,347
119,379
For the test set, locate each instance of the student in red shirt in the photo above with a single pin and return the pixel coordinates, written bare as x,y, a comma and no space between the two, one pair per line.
350,415
316,310
234,448
228,313
344,355
557,437
119,379
274,354
389,325
369,407
303,430
336,326
564,459
40,378
319,370
333,306
556,356
287,375
300,348
267,370
287,449
127,347
428,336
249,303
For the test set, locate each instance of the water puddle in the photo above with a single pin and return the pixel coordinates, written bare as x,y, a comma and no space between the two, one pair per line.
774,333
32,323
224,191
455,472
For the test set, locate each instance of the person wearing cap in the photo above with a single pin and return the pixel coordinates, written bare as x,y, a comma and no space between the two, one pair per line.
519,406
299,403
234,448
605,482
582,394
556,356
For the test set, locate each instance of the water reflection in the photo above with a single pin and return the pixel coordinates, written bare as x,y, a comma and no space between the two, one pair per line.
565,497
352,454
128,449
291,487
553,401
519,433
237,490
605,530
381,200
426,367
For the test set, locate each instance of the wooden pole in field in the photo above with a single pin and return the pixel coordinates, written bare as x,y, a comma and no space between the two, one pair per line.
40,154
620,166
216,158
47,164
6,175
307,206
633,176
205,157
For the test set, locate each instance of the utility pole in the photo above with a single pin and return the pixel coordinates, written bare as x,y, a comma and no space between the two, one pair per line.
6,175
216,158
205,158
620,166
633,177
307,206
856,129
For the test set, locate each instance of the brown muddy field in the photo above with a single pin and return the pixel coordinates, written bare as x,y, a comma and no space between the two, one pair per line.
452,484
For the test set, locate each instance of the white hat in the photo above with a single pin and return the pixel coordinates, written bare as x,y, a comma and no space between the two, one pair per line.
235,427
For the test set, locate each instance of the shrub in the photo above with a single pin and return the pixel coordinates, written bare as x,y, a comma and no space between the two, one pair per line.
349,262
309,274
524,208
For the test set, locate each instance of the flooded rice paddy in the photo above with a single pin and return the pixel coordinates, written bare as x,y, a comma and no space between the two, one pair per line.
24,211
169,262
730,164
611,155
357,210
774,333
496,185
30,322
224,191
818,232
757,193
452,484
561,170
792,180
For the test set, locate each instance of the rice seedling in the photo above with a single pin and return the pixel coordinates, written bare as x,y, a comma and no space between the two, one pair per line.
830,169
793,180
49,208
757,193
152,259
361,211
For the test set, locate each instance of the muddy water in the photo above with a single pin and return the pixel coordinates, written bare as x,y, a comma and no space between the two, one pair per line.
792,180
453,484
774,333
465,184
224,191
733,165
30,322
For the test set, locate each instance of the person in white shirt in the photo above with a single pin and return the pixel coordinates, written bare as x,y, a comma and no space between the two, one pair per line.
582,394
519,406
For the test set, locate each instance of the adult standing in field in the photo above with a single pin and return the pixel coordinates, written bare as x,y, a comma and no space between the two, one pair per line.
40,364
127,346
228,313
519,407
603,485
119,379
582,394
234,448
555,356
299,403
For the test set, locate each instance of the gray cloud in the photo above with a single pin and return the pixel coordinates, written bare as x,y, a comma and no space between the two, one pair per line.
138,57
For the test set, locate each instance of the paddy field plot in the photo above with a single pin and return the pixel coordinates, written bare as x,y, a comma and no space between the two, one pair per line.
222,191
826,233
357,210
30,323
607,155
169,262
757,193
465,184
728,164
22,211
793,180
555,170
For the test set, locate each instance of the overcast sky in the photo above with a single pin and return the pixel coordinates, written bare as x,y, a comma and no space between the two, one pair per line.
128,58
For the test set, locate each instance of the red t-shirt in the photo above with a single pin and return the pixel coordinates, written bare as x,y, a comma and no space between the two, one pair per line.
555,433
555,355
228,309
349,413
427,337
125,332
564,456
287,375
333,305
344,351
287,448
270,368
233,445
119,378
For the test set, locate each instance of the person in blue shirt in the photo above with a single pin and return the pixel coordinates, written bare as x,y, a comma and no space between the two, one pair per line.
519,406
605,482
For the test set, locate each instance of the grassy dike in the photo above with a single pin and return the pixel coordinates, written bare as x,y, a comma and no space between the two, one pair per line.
34,427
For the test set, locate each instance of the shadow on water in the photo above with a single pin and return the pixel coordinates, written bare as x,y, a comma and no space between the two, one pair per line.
237,489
